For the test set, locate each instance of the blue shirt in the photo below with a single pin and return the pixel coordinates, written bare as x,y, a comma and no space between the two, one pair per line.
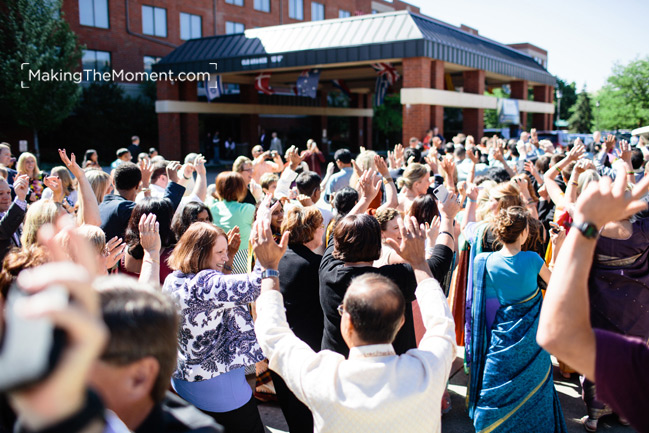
338,181
512,279
223,393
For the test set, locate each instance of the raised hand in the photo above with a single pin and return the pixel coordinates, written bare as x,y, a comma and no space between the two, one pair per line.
150,234
626,151
413,241
70,163
234,241
369,185
21,186
267,251
472,156
147,171
381,166
609,141
576,152
450,207
172,171
115,248
199,165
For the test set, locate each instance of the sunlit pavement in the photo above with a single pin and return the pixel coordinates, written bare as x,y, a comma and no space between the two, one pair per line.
457,420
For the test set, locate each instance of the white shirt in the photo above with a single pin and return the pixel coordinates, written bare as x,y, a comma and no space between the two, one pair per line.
156,191
374,390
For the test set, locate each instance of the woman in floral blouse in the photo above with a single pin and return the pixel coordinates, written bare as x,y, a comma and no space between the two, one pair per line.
217,338
27,165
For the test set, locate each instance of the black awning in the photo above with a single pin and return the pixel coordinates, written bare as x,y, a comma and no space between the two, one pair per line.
394,35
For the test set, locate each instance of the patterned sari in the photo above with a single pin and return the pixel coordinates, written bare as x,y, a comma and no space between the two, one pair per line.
510,380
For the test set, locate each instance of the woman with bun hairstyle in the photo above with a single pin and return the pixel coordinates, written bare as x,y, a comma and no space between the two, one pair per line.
511,376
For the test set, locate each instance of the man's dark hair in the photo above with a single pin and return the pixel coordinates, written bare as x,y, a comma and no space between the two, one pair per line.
343,155
498,175
459,152
142,323
121,152
345,200
357,238
412,151
307,182
127,176
159,168
637,159
134,138
375,314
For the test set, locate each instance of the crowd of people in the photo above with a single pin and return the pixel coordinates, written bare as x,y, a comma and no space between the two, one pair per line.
343,292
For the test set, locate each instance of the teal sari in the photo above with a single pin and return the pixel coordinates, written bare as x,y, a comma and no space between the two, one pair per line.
510,382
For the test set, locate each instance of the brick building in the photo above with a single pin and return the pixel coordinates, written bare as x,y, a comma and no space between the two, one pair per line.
130,35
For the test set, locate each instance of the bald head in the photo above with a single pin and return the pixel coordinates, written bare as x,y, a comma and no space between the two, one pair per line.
376,307
5,195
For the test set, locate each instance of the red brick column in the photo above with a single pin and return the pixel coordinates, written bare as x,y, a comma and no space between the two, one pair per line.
520,91
417,72
540,121
473,123
249,122
368,122
168,123
190,141
437,82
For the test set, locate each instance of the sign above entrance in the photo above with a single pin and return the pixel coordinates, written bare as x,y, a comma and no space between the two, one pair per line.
262,60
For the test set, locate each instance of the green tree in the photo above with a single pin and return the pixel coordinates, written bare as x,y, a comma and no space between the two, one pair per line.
491,116
34,36
581,117
568,98
388,121
624,99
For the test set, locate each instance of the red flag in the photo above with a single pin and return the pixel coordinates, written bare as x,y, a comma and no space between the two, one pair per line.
261,83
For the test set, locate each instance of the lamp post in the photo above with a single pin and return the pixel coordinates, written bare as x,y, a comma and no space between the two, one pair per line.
559,95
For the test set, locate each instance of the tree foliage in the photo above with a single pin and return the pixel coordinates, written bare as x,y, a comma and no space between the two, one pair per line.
624,99
568,98
34,32
581,117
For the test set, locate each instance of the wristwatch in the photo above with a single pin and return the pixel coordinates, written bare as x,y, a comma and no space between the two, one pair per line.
269,273
589,230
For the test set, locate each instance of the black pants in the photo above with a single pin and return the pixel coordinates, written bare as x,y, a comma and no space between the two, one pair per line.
246,419
298,416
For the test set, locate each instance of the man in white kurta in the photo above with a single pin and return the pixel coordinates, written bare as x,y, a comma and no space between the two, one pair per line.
374,390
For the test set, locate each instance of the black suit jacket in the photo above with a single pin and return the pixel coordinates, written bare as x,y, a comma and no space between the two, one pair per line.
10,224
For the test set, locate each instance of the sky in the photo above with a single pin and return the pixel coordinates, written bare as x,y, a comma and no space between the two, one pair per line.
584,38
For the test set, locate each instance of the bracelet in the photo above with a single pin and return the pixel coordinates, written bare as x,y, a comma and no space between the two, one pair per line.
447,233
470,200
630,172
387,180
186,178
529,202
574,182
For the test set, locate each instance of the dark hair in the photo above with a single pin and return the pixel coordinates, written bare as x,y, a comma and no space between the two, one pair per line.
376,314
302,223
127,176
230,186
345,200
412,151
18,259
134,138
424,208
510,223
542,164
164,212
142,323
637,159
307,182
272,203
87,157
189,215
498,175
159,169
193,251
343,155
152,150
357,238
459,152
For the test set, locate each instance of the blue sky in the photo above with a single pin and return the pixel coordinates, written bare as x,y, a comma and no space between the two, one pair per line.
584,39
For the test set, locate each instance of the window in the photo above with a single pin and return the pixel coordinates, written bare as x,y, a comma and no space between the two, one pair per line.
98,61
296,9
93,13
190,26
235,2
154,21
232,28
317,11
344,14
262,5
148,62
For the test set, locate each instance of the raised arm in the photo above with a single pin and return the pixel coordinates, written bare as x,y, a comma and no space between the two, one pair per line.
368,186
88,207
150,240
391,199
564,327
200,186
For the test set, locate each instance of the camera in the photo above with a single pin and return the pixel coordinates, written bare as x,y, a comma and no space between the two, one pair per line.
31,347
